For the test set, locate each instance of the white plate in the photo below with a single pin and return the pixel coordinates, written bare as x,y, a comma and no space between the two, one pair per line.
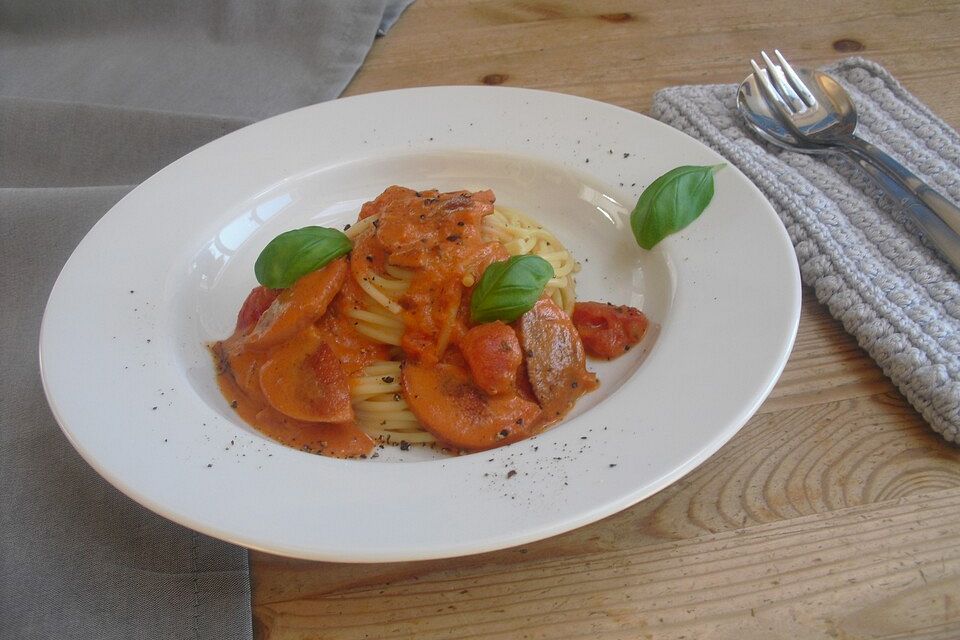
129,379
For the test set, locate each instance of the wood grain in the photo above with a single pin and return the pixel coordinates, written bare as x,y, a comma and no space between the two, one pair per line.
780,466
832,514
621,52
892,570
826,364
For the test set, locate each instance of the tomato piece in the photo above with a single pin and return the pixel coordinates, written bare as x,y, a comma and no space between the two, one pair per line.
608,331
493,353
303,379
459,413
258,301
299,306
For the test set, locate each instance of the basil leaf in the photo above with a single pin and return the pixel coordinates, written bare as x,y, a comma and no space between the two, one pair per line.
671,202
509,288
296,253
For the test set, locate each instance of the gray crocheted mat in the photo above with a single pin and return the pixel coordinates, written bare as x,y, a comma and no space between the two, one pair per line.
864,261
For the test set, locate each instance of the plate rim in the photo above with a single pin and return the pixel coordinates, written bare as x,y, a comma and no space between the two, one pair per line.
707,450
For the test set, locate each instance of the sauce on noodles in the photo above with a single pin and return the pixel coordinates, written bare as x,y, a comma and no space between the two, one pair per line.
379,345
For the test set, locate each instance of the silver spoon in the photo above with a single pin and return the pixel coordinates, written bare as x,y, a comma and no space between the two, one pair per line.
832,131
817,110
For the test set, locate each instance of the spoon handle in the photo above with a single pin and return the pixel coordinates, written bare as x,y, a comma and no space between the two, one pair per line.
914,186
933,227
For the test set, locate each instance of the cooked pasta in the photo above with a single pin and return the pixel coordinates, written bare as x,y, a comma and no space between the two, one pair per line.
380,409
386,344
521,235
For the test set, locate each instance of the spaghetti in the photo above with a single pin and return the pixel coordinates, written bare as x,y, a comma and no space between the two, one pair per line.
383,336
380,410
521,235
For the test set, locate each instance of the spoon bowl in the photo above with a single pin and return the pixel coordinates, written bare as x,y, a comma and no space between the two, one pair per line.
824,120
766,123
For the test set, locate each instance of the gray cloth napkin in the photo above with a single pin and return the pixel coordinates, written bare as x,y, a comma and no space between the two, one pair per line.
862,258
77,558
245,58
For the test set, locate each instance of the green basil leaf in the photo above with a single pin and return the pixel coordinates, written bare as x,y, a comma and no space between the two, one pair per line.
296,253
509,288
671,202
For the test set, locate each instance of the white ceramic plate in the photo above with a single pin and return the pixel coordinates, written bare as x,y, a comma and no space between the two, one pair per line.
129,378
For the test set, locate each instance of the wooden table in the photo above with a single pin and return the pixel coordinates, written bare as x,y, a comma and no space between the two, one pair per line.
834,513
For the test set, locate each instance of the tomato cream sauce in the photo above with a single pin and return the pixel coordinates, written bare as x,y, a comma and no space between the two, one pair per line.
299,318
287,368
438,237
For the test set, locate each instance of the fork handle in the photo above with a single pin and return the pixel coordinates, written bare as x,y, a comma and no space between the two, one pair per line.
934,228
913,185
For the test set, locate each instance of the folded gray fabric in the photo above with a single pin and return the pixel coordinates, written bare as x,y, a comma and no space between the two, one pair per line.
854,247
77,558
244,58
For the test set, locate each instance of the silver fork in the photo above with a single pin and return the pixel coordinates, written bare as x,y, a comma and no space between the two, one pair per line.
787,82
820,115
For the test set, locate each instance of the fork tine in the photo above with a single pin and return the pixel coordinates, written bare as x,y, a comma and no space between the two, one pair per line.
774,99
782,85
795,80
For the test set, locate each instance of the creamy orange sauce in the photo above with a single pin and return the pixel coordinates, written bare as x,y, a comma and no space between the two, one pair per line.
241,358
438,237
336,440
287,371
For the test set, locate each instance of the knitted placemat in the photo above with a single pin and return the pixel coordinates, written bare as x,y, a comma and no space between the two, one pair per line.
862,258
